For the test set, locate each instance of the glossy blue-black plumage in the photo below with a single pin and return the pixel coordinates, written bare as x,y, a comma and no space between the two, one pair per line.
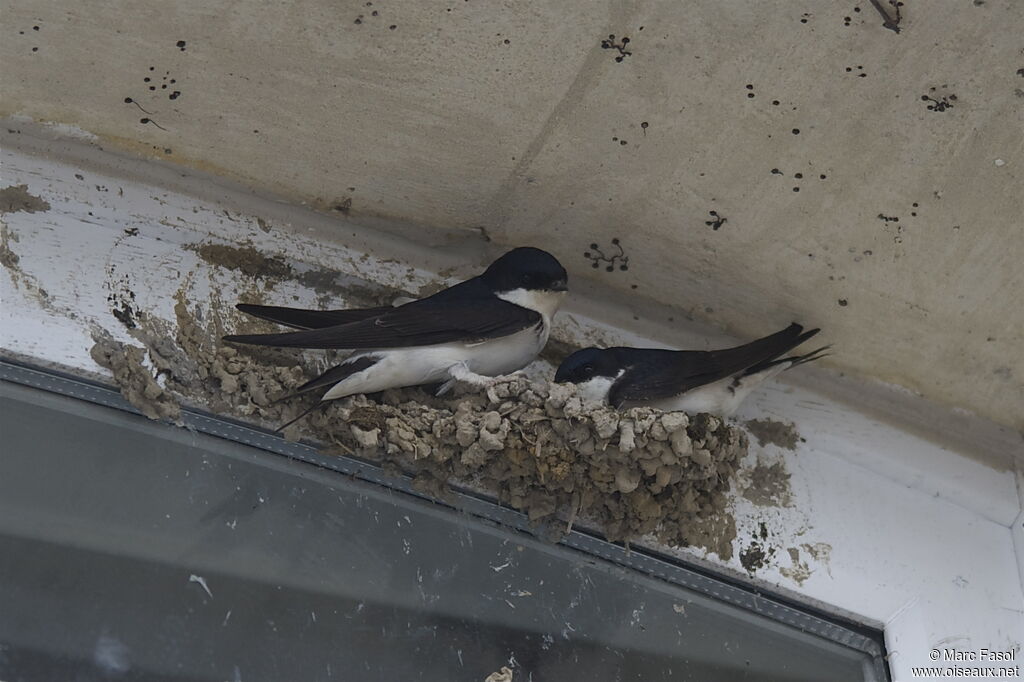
469,311
643,374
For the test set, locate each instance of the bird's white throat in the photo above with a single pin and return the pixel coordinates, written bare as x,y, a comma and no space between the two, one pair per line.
544,302
595,389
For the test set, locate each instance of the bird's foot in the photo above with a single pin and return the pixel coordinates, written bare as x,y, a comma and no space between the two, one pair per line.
461,373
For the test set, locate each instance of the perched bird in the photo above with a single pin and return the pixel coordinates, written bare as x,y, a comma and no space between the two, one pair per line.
489,325
714,381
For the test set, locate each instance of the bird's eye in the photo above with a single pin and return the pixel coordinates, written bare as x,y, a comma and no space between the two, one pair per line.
527,280
588,369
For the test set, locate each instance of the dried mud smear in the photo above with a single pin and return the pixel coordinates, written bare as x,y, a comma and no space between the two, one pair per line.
756,556
137,384
273,269
244,259
8,258
16,198
800,570
768,484
535,446
777,433
11,263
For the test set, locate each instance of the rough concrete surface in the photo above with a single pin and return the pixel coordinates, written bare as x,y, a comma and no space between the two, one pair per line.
759,162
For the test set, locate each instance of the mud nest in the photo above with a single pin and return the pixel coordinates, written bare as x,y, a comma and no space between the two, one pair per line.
542,451
534,445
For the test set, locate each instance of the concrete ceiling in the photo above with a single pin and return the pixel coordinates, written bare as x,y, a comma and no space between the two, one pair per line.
687,144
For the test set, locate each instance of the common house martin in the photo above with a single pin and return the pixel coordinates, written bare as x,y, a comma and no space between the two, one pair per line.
715,381
489,325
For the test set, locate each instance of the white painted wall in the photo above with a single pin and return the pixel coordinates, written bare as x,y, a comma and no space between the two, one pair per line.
925,538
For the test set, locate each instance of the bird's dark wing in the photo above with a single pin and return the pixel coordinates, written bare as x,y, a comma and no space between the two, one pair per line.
657,374
420,323
328,378
309,319
336,374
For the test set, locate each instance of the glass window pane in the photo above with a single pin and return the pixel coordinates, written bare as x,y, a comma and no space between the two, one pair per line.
135,550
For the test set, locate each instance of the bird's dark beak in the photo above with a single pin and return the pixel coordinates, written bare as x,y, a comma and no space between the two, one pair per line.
560,285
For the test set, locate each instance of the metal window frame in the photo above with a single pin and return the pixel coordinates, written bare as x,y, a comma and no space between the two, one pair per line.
645,561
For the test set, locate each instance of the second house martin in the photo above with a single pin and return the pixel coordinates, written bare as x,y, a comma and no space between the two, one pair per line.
715,381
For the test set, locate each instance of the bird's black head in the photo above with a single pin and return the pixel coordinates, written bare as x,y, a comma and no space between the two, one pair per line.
526,268
587,364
